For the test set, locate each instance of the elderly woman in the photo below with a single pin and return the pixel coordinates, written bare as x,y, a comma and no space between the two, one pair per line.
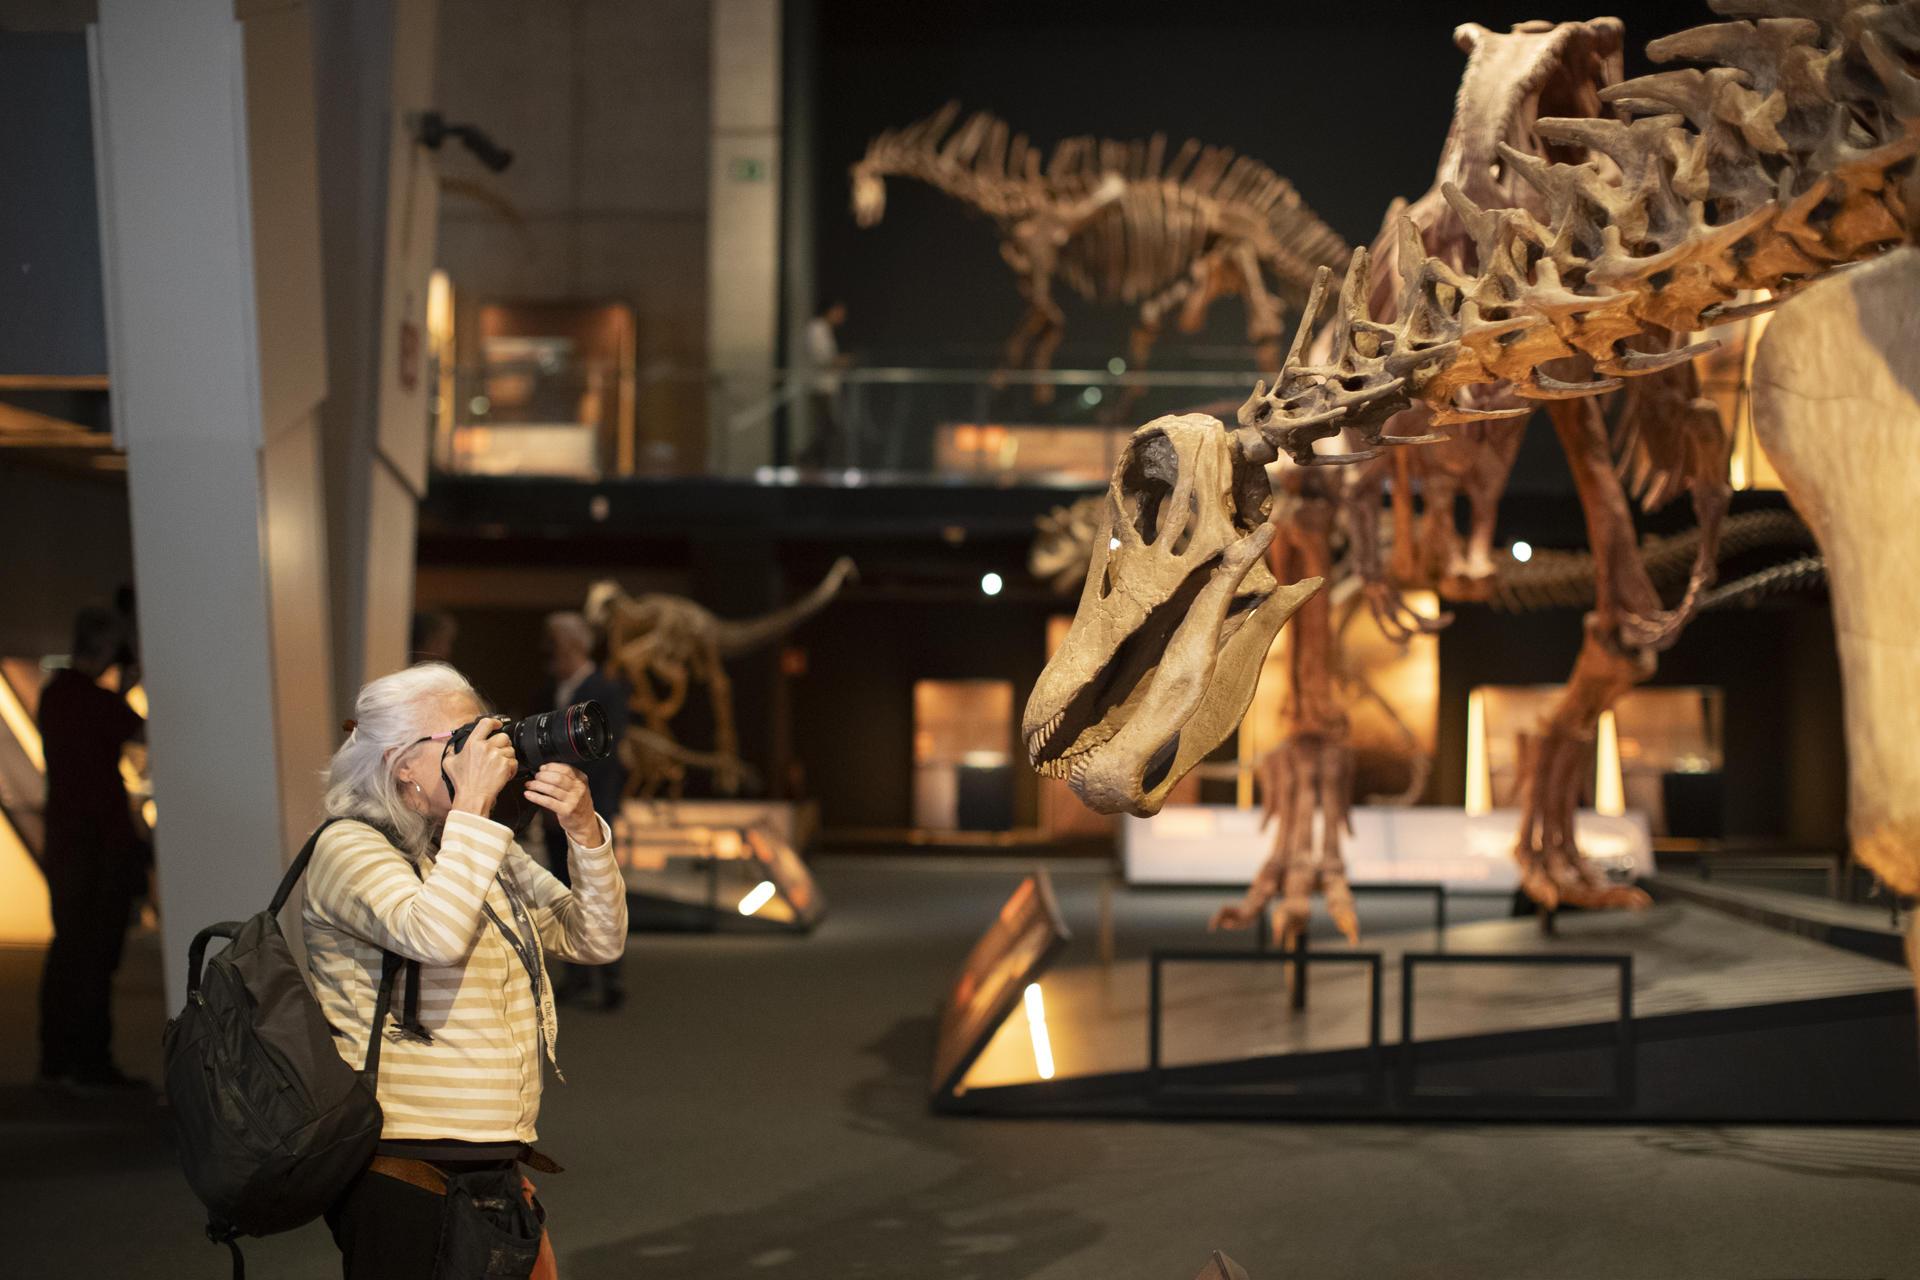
419,869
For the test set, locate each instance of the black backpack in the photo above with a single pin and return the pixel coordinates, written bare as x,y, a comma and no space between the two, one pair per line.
272,1123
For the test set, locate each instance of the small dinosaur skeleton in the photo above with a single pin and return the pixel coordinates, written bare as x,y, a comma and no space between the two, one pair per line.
1116,222
660,645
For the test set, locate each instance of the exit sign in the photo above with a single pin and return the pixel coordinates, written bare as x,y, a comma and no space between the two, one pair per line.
747,169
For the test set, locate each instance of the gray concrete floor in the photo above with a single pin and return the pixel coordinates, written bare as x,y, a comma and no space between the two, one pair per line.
759,1108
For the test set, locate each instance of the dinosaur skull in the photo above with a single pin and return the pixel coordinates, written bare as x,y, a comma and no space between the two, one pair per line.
1175,619
869,196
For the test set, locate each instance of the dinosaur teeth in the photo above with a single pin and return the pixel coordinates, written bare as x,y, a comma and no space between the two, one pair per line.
1037,740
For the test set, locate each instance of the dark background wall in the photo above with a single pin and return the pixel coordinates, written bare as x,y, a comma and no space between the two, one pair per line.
1349,101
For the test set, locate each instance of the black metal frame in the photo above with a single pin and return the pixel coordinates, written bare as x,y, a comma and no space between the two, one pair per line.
1375,1092
1410,1096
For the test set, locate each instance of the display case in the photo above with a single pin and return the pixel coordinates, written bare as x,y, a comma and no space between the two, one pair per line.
687,869
1659,752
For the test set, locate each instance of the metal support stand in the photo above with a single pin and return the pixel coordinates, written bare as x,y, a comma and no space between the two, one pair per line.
1106,921
1300,973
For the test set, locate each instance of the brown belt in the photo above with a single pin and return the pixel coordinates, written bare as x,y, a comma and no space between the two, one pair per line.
416,1173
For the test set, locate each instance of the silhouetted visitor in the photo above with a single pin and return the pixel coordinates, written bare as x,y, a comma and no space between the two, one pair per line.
828,445
96,863
575,678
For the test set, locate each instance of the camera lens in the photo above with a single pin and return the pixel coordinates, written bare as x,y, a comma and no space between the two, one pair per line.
577,735
587,726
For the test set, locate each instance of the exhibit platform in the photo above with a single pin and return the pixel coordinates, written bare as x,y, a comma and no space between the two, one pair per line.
707,865
1876,931
1679,1013
1221,845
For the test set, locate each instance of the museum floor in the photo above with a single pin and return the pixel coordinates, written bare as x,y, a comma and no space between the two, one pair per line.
759,1108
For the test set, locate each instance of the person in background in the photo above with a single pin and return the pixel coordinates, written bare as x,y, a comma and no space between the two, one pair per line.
575,678
95,860
434,632
828,445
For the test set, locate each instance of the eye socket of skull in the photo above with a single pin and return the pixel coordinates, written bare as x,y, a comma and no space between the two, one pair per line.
1151,475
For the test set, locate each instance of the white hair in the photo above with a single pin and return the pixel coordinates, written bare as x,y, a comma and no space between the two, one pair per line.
390,715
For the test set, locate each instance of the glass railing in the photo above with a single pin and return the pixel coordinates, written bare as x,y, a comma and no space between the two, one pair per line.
856,425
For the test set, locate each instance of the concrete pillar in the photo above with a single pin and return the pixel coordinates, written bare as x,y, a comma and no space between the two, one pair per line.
217,354
743,230
375,62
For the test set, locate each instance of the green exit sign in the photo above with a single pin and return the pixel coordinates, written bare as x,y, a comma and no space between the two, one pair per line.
747,169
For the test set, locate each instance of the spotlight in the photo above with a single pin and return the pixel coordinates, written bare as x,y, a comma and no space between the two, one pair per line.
1523,551
757,897
1091,396
991,584
1116,366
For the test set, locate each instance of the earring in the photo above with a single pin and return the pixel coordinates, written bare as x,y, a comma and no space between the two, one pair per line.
416,787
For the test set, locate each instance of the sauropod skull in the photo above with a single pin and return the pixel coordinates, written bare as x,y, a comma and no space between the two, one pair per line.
1177,614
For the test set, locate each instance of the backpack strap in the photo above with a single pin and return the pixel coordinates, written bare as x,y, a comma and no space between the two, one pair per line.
297,868
390,967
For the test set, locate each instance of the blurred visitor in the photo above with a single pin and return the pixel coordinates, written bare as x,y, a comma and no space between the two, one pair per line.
828,446
575,678
434,632
96,863
128,659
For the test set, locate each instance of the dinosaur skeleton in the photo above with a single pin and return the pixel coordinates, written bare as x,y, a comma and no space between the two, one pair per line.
1794,156
1760,174
1116,222
661,645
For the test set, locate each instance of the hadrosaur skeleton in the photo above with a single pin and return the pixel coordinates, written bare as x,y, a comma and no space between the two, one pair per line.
1791,158
662,645
1116,222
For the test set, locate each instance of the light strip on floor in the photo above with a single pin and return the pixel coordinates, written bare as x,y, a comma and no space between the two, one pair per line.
1037,1025
757,897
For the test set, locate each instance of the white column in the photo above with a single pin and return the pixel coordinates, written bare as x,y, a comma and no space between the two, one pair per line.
210,237
376,60
743,228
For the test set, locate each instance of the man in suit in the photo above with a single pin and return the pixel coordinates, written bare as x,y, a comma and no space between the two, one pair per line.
575,678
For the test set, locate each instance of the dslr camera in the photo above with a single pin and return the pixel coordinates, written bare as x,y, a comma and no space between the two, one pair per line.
575,736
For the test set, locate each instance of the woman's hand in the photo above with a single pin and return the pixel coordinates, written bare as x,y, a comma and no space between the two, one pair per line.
561,789
481,768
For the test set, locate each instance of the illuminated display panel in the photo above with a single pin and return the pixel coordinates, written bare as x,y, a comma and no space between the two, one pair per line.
1017,947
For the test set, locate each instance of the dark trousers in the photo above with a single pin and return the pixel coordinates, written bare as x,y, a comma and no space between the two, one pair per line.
390,1230
386,1229
76,987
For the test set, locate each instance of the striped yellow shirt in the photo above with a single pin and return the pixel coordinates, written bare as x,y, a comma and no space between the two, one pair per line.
478,1080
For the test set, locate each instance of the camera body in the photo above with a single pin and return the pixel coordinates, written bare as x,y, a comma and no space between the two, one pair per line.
576,736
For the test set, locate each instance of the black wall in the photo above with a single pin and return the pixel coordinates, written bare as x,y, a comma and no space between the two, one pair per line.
1350,102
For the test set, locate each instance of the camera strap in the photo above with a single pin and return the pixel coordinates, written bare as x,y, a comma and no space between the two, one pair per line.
526,945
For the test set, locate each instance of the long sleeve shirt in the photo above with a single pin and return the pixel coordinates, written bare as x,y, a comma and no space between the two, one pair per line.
479,1077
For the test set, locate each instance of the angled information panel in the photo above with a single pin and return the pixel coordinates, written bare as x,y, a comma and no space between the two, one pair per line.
1015,950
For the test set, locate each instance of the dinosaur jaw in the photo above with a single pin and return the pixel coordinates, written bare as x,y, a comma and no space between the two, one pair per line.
1176,618
1125,737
